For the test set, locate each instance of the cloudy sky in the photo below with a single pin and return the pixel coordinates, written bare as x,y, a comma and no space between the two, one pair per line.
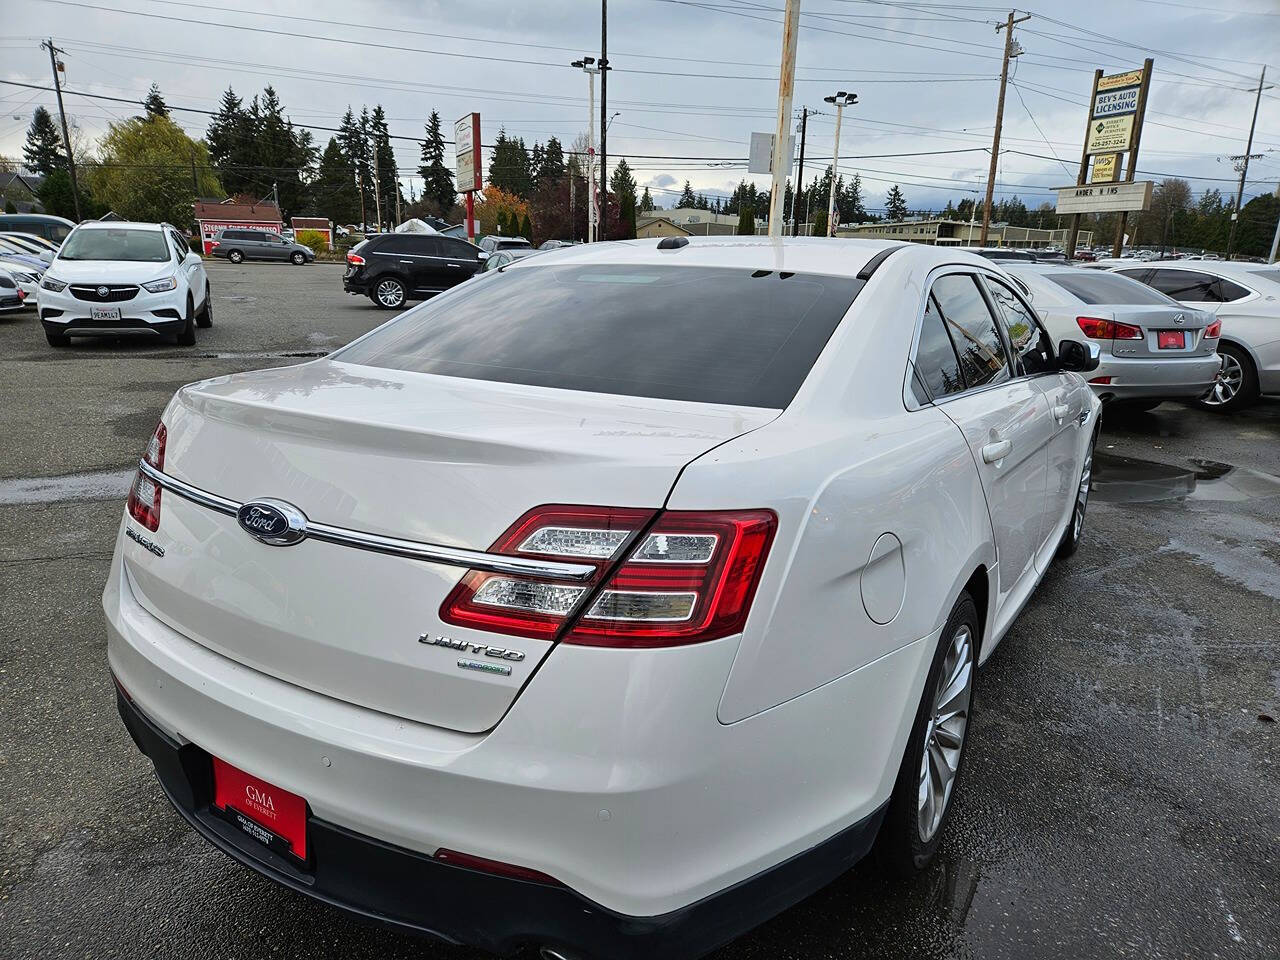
692,79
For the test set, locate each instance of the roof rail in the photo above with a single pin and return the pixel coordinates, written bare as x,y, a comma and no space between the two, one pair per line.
873,264
673,243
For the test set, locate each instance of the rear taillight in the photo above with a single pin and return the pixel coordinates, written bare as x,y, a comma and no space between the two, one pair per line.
355,259
1096,328
686,577
1104,381
144,495
1213,330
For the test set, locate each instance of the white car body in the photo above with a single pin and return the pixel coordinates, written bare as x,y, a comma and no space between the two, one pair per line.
1133,368
648,781
27,279
12,296
1249,310
110,297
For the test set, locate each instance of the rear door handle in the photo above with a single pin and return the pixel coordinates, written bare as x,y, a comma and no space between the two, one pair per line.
406,261
1061,411
456,266
996,450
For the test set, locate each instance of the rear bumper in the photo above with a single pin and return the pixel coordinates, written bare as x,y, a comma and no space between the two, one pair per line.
418,894
1156,377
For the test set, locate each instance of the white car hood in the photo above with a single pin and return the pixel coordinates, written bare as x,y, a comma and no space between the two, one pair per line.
109,271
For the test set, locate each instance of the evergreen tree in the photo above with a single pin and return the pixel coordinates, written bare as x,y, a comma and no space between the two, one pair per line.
43,152
687,198
510,168
283,156
355,150
851,206
154,104
230,141
385,157
623,182
437,181
627,207
552,170
334,194
526,228
746,219
895,204
537,156
646,201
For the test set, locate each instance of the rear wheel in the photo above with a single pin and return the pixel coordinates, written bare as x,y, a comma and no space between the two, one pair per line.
921,801
205,317
1074,533
389,293
187,336
299,258
235,256
1237,383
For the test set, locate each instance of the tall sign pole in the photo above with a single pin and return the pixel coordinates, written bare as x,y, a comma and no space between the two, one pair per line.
66,136
1073,234
466,150
604,125
782,130
1244,168
1007,27
1132,168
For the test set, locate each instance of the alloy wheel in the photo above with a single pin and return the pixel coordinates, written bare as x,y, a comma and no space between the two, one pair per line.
1082,495
1230,380
390,293
944,735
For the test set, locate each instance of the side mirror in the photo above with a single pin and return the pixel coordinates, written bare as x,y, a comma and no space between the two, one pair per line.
1078,357
482,256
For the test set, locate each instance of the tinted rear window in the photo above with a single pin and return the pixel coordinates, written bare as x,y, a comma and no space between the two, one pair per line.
1097,288
709,335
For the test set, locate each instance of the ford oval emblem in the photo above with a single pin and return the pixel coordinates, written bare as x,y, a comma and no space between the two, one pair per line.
273,522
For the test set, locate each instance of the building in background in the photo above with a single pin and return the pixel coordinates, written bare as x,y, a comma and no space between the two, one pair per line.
962,233
694,222
659,227
315,224
212,216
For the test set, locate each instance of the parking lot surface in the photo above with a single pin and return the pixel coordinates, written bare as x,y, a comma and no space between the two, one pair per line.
1121,794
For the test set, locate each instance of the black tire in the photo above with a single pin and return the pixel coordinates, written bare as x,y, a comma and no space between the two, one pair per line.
205,317
235,256
1074,534
57,339
299,258
902,849
388,293
187,336
1237,384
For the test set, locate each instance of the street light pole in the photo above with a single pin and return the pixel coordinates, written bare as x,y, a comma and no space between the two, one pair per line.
841,100
604,126
589,66
782,129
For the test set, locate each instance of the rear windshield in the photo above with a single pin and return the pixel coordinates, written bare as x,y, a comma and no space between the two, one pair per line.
1093,287
116,243
709,335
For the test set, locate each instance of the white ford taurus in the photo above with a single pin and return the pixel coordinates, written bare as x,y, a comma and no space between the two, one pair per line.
609,603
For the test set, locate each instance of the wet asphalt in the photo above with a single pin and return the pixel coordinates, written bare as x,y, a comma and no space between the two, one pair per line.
1122,793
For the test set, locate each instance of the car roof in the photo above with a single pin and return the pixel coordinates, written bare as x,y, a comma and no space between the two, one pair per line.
110,224
831,256
1224,267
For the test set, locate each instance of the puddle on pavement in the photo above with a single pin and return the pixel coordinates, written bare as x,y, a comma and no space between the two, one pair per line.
264,355
100,485
1119,479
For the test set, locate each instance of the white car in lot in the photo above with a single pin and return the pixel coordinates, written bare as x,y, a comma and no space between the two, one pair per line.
124,279
12,296
1153,348
1245,298
608,604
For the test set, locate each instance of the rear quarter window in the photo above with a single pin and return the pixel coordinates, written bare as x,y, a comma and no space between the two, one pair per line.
709,335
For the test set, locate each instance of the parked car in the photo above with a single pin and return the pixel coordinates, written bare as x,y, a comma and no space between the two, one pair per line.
1002,254
501,258
26,278
492,243
41,224
544,617
241,245
16,257
393,268
1153,348
1086,256
115,278
12,297
24,243
555,244
42,242
1246,299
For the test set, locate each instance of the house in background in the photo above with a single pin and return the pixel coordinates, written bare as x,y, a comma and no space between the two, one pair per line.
20,190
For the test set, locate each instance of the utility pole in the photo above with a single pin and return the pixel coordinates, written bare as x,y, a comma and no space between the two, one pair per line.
782,129
604,126
1117,246
1011,49
589,66
1244,168
62,113
841,100
795,194
1275,241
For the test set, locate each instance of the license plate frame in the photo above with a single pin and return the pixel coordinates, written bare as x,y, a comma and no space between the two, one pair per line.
267,814
107,314
1171,339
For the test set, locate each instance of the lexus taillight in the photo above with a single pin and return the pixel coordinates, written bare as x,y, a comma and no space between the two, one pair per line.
355,259
144,495
1096,328
1213,330
675,578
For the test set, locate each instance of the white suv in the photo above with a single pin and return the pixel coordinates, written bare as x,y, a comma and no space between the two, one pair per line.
115,279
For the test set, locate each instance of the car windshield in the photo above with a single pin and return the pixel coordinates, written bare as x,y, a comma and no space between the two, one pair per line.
1108,288
709,335
116,243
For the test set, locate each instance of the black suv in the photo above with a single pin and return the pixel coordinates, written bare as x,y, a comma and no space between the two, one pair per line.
394,268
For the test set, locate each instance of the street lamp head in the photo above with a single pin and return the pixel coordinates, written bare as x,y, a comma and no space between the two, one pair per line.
829,99
577,63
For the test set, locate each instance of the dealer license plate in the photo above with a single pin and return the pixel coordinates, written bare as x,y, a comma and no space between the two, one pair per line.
274,817
104,313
